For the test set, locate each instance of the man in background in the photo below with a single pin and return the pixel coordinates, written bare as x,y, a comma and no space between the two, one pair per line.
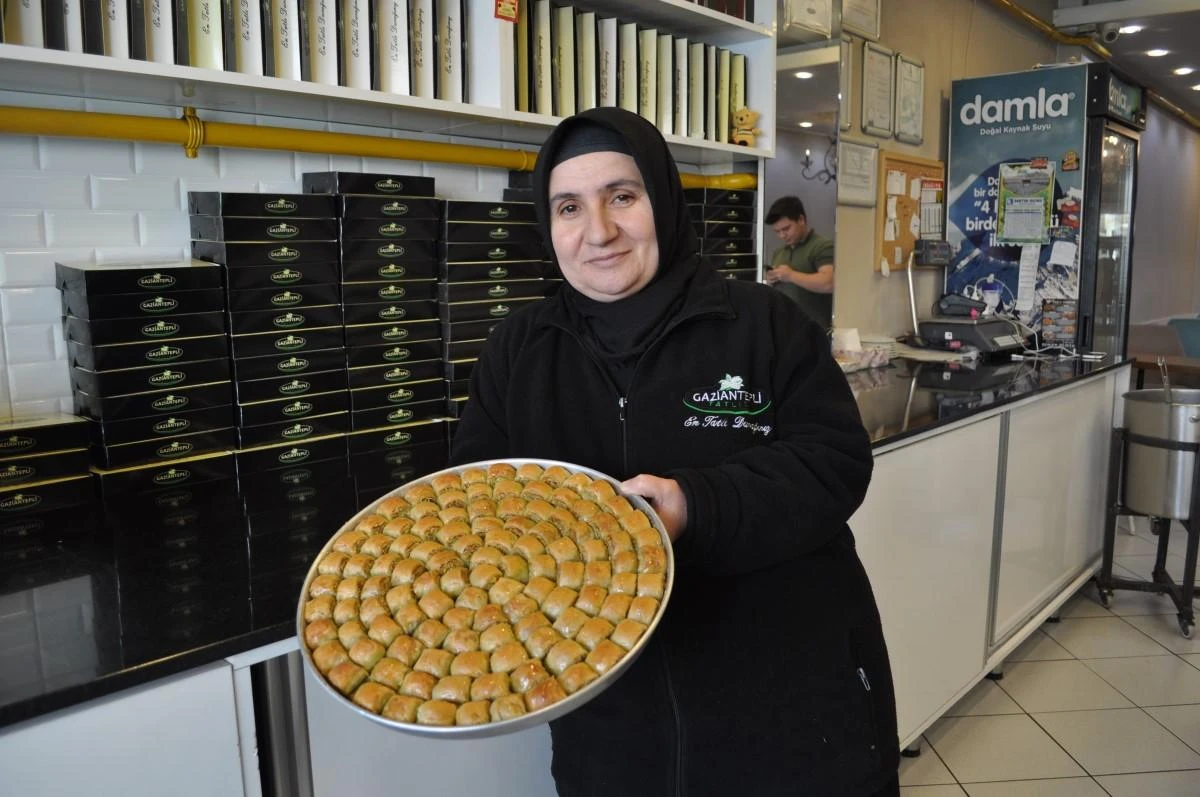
803,267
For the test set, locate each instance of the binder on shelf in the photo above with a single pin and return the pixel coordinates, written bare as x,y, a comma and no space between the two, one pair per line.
562,61
723,95
451,67
320,37
710,92
543,80
64,25
199,40
665,83
247,36
681,86
737,82
585,52
157,24
606,61
521,52
116,28
355,25
93,26
24,23
285,39
647,74
423,64
627,66
695,98
391,47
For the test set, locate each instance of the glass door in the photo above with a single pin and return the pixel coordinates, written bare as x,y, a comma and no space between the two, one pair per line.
1114,244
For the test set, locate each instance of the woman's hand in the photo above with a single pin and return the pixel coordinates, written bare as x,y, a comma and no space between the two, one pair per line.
665,497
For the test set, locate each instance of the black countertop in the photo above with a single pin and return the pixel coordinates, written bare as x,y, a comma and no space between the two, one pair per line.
192,576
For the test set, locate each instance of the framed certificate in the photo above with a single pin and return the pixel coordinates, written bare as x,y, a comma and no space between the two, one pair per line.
878,90
856,172
861,17
845,81
910,100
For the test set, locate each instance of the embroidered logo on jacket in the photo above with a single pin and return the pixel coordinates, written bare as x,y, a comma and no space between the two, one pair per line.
729,404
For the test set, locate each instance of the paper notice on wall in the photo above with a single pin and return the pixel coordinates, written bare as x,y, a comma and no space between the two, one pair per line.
1062,253
914,225
1027,281
914,189
889,230
891,207
895,182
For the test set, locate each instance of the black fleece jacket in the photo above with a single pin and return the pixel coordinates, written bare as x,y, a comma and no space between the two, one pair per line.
768,673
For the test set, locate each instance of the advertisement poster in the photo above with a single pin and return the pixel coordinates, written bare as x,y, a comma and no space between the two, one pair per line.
1015,187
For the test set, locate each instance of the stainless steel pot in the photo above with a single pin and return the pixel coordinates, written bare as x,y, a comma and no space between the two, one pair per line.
1158,481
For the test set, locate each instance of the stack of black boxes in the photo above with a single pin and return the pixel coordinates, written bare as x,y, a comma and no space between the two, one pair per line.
724,220
280,255
148,359
43,474
492,263
388,245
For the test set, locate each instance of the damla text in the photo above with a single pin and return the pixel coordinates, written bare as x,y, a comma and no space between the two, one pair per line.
734,422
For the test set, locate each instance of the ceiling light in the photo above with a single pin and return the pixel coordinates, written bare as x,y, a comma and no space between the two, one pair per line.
1157,53
806,124
804,75
1184,70
1128,29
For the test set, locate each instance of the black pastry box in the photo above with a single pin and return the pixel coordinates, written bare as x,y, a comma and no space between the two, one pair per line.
276,298
308,482
317,449
731,261
379,375
721,213
389,439
365,183
27,499
396,395
454,252
137,430
379,270
42,467
215,203
375,206
479,311
491,272
362,356
249,323
380,334
186,445
709,230
730,246
156,402
248,368
374,470
388,312
240,253
276,410
718,196
156,377
131,330
485,291
470,210
157,476
103,279
373,250
134,355
464,349
383,230
468,330
294,276
140,305
522,235
235,228
23,437
290,386
292,342
291,431
377,417
369,292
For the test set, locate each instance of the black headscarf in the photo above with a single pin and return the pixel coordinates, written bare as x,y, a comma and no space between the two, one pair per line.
619,332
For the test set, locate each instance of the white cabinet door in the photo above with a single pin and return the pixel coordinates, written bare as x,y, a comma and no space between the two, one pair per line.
1055,480
352,754
925,537
176,737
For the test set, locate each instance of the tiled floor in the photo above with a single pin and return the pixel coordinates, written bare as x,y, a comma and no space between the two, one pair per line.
1103,702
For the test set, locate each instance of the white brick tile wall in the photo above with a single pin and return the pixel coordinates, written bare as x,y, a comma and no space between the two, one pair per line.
39,191
143,192
73,228
32,343
80,201
66,155
20,228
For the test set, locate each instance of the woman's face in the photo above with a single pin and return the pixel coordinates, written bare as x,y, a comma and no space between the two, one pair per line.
602,225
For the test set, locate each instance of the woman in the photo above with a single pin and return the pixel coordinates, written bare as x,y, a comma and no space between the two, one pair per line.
722,405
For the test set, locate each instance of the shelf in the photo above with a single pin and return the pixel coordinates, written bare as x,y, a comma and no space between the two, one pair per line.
37,71
682,18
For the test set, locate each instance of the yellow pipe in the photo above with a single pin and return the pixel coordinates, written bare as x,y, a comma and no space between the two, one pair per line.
191,133
1089,43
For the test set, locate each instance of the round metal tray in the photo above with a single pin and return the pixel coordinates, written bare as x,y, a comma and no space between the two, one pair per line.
571,702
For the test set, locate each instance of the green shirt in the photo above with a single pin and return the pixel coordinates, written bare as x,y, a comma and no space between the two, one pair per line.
807,257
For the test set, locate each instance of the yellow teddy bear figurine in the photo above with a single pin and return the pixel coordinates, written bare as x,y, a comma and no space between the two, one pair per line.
744,130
